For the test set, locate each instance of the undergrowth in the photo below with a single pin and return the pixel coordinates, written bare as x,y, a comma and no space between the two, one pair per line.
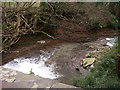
103,75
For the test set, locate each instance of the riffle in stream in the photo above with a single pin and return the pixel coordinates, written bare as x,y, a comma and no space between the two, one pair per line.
35,64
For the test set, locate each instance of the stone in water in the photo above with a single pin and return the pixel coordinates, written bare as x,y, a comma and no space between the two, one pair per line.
41,42
88,61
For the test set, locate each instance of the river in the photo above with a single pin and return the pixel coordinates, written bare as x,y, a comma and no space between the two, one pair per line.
61,61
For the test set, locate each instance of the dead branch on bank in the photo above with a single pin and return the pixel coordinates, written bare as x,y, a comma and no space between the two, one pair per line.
16,23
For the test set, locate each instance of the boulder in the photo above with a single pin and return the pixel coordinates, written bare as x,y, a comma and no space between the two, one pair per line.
88,61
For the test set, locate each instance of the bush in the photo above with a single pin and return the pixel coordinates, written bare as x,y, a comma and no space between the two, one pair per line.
115,23
103,75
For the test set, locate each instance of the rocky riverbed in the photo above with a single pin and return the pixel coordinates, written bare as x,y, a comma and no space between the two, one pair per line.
61,62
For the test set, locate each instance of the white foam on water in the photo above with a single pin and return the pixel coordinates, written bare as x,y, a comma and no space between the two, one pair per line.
108,39
111,41
110,44
35,64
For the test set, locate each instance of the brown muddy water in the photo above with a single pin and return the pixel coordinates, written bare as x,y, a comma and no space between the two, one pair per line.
47,58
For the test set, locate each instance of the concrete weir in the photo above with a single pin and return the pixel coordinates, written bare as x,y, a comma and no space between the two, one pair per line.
14,79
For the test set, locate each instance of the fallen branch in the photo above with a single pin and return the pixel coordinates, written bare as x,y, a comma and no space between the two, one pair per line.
26,23
48,35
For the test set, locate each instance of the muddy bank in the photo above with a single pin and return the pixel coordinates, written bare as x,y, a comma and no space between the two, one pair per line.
84,34
28,43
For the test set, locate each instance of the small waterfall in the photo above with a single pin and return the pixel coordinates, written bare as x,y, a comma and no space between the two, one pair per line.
35,64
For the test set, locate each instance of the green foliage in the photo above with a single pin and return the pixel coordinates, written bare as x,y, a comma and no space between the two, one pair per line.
98,23
103,75
31,72
100,3
115,23
44,5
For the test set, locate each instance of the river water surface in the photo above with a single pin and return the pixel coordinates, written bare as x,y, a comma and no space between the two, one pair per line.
56,62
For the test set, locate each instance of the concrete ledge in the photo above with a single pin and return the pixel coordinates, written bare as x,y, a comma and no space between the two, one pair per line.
21,80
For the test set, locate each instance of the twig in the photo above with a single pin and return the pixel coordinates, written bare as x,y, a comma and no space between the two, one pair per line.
48,35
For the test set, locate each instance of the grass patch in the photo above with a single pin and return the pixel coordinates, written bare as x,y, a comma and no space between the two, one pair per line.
103,75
